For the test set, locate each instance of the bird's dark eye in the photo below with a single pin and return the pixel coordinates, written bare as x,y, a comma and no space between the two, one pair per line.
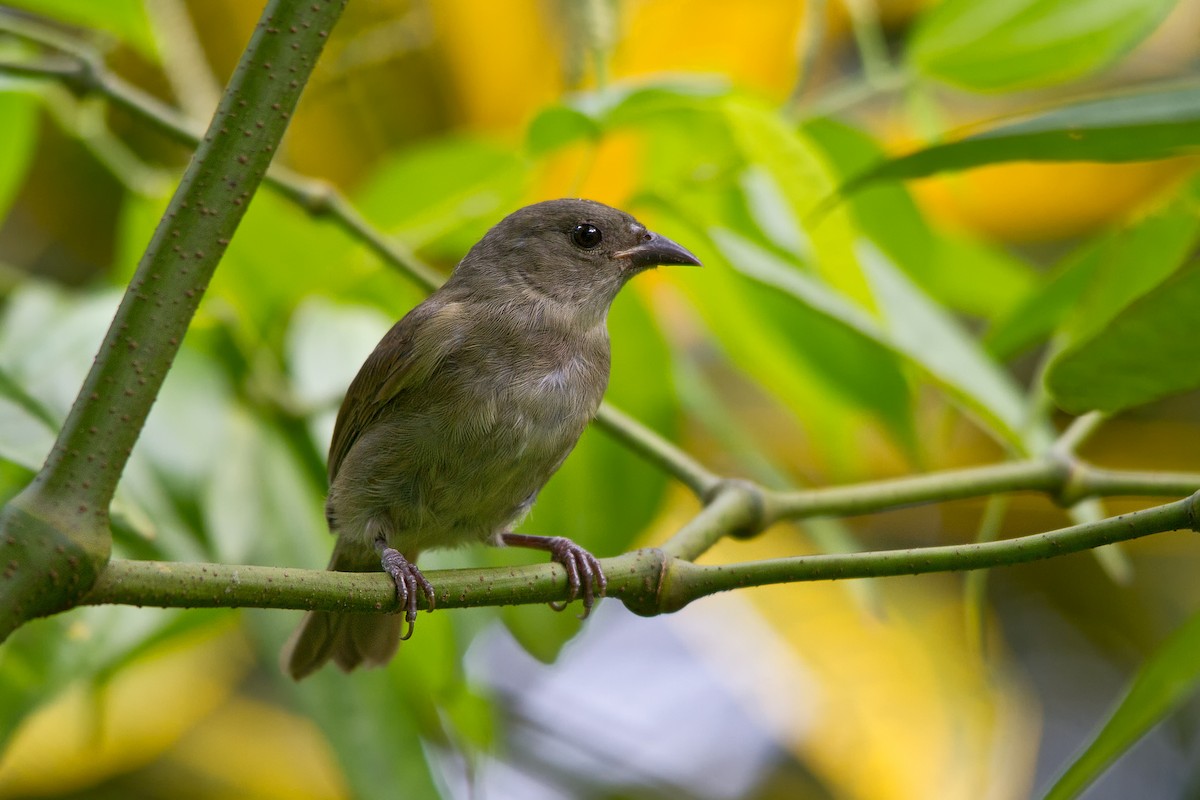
586,235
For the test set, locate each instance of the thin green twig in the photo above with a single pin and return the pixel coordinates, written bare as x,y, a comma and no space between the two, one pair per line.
657,450
692,580
1078,432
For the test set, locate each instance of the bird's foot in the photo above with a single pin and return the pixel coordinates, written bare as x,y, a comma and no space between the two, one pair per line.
408,580
584,575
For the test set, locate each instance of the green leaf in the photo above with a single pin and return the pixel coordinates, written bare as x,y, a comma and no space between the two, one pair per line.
261,504
746,169
183,435
912,326
630,102
148,505
1135,261
466,185
370,722
325,346
771,148
758,263
814,358
1033,319
25,439
1147,352
278,256
558,126
588,115
937,343
1160,687
1130,127
18,131
48,339
964,275
1002,45
1121,305
1094,284
743,169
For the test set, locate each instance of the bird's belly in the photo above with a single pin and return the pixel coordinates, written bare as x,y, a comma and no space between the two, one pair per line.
508,455
464,470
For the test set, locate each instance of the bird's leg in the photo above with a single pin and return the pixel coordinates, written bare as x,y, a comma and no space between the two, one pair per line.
408,580
583,568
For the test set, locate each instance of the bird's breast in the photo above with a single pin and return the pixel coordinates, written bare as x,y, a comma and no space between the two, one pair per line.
531,405
464,455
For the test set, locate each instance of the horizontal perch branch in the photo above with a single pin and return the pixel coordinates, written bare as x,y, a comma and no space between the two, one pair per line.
649,581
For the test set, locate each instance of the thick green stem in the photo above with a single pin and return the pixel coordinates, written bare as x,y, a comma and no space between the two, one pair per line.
58,526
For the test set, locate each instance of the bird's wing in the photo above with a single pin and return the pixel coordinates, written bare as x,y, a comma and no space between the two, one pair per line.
406,357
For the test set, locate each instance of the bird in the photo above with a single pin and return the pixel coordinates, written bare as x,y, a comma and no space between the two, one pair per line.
465,409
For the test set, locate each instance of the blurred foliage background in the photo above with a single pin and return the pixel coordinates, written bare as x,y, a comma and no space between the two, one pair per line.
727,127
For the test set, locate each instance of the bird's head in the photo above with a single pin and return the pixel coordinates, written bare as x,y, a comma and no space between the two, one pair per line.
574,253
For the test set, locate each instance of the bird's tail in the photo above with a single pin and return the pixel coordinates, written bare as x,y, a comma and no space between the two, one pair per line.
350,639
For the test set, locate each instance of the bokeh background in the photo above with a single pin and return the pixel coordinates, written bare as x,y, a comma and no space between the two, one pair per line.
724,126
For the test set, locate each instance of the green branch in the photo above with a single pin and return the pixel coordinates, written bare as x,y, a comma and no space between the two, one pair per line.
648,581
657,450
54,535
187,585
687,581
1033,475
735,509
745,508
1067,479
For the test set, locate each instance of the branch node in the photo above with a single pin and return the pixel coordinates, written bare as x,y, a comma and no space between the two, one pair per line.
756,501
318,197
84,79
646,597
1073,483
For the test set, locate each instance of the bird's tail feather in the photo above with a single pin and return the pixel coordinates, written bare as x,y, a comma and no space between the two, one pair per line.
350,639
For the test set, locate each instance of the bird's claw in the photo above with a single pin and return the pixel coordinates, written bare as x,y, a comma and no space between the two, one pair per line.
409,581
583,574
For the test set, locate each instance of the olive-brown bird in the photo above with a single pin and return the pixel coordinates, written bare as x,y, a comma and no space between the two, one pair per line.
467,406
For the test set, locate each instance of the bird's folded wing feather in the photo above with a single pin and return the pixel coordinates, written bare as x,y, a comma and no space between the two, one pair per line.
406,357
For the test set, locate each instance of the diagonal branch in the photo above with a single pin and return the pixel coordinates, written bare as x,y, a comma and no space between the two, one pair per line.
55,534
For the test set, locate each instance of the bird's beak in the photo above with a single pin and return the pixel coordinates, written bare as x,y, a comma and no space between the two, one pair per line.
657,251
